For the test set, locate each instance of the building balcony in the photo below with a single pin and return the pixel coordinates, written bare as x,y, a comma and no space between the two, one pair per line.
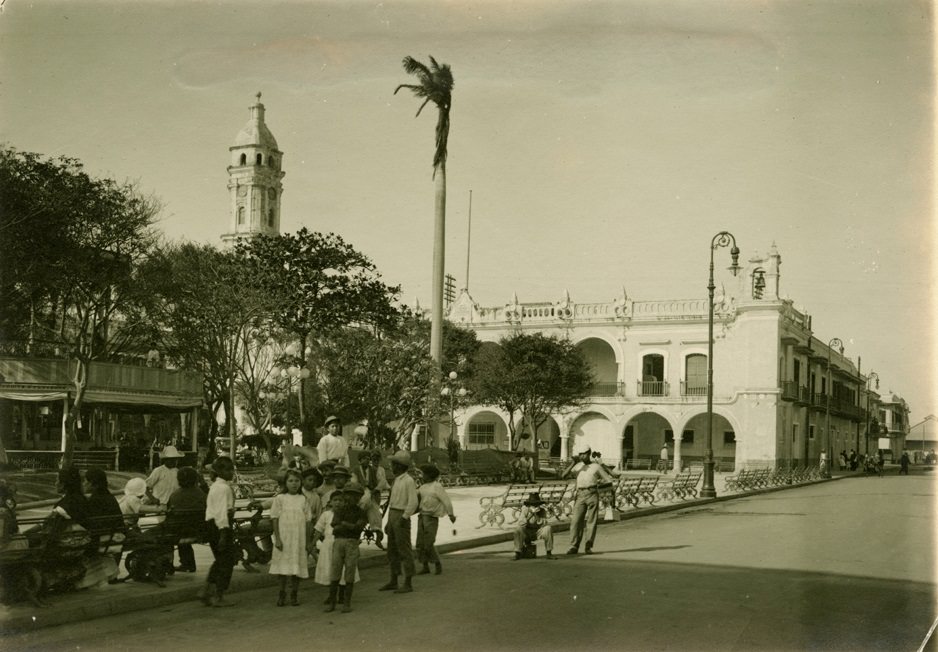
106,382
792,391
693,389
654,388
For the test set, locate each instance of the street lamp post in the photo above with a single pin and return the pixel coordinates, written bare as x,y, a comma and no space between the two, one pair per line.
452,390
827,456
721,239
289,374
869,413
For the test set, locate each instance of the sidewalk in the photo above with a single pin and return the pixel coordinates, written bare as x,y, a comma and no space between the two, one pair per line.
106,600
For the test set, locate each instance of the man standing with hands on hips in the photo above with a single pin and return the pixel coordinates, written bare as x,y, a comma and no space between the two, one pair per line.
589,475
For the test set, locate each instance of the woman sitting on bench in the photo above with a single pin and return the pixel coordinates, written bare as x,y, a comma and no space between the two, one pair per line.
534,526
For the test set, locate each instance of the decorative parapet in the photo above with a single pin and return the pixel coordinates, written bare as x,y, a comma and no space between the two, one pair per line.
566,310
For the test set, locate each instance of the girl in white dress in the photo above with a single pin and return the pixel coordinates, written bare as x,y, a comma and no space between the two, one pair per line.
323,531
290,514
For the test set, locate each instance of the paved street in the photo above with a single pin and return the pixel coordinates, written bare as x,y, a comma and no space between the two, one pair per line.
846,565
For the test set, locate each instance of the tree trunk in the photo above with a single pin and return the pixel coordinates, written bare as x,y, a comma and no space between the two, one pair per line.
80,381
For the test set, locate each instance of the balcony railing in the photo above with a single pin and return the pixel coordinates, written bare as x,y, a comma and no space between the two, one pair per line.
606,389
792,391
653,388
693,389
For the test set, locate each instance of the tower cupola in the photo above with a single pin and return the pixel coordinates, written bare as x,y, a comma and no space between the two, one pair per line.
254,180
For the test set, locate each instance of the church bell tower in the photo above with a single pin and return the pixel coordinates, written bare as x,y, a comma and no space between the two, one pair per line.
254,180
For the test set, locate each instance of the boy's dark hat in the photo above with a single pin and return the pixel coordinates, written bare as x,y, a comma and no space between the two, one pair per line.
341,470
356,489
430,470
534,500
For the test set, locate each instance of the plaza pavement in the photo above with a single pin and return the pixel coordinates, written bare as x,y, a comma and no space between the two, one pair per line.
105,600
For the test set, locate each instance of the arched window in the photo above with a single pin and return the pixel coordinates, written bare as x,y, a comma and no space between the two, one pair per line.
240,215
260,159
653,383
270,217
271,161
695,375
244,159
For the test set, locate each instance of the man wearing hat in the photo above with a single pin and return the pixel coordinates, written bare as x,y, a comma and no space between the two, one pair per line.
333,445
162,481
401,506
589,475
535,524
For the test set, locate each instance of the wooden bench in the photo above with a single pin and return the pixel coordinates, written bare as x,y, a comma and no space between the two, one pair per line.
683,486
493,507
101,459
643,463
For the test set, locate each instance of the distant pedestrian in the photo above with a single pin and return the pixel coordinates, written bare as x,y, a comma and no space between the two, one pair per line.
434,504
904,463
853,459
842,460
663,458
290,514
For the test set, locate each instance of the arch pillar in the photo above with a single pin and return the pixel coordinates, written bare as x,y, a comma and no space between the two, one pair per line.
678,436
564,425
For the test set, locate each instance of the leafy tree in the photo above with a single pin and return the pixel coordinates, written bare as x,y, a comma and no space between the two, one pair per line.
214,319
320,284
531,377
435,84
71,249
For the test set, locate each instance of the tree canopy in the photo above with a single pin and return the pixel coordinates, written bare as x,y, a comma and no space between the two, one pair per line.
531,376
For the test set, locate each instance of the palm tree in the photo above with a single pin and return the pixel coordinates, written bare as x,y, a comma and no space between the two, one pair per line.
436,85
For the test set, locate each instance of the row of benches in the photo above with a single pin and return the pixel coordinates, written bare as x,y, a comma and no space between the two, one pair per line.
758,478
559,496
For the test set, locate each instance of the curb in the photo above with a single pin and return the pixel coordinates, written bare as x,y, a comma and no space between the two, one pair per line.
121,603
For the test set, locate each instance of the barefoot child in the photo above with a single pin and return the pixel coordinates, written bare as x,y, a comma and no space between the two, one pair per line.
347,526
290,515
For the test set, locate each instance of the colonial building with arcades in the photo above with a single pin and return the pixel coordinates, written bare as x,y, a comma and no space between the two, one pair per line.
777,388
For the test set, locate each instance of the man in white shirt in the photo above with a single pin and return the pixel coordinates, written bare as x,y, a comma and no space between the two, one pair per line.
401,506
163,482
333,445
585,517
663,458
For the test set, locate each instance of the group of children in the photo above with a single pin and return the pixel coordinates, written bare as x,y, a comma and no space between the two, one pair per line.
348,510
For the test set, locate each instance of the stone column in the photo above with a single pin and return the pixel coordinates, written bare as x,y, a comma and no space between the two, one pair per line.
677,452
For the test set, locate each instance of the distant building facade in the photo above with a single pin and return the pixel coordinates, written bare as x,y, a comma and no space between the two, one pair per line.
777,387
923,437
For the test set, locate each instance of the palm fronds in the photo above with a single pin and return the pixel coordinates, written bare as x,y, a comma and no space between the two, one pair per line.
435,85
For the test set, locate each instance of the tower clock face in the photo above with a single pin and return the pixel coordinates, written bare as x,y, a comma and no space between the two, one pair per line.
242,191
271,194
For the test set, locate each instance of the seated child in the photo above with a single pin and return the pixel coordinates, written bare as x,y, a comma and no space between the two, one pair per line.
534,525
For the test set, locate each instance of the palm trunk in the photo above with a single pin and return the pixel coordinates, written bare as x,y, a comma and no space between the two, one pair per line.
436,321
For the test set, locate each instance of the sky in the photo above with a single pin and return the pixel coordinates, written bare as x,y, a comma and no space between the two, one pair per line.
604,143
